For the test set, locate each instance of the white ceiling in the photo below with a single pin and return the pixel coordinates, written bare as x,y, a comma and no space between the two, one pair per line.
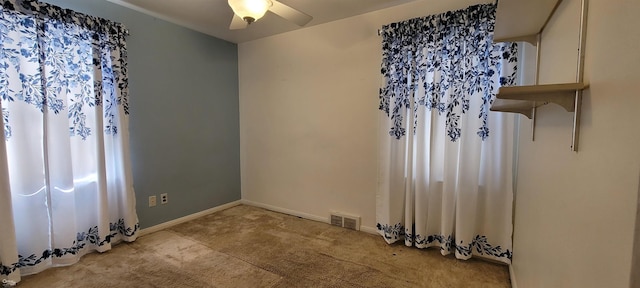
214,16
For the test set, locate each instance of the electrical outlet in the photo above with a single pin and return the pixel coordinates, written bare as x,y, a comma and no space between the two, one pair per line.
164,198
152,201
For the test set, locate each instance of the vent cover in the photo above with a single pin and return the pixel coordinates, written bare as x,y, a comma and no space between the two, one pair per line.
336,220
351,223
344,220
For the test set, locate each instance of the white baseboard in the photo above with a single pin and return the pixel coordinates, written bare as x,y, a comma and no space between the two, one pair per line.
181,220
285,211
512,276
308,216
370,230
165,225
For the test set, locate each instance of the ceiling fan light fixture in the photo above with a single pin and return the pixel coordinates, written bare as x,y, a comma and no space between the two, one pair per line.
250,10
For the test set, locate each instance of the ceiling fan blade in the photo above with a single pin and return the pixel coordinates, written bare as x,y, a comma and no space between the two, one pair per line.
237,23
290,14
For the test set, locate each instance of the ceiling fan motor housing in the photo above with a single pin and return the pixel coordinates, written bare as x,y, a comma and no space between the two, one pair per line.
250,10
249,20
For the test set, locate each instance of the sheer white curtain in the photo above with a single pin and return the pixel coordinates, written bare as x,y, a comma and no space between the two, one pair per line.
66,185
446,160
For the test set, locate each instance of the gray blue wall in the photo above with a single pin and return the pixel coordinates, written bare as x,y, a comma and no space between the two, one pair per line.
184,120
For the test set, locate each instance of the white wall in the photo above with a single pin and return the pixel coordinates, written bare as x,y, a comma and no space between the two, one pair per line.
575,212
635,266
308,113
308,124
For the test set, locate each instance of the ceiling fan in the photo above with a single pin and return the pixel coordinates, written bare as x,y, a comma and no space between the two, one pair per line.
249,11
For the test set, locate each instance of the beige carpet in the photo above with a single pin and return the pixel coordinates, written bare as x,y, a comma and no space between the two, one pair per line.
246,246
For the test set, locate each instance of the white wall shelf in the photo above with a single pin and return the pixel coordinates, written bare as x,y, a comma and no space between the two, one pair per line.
523,99
522,20
525,20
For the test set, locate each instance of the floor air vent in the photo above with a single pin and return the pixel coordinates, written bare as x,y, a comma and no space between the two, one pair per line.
351,223
346,221
336,220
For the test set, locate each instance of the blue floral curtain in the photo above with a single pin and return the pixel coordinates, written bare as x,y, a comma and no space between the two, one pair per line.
65,176
445,169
